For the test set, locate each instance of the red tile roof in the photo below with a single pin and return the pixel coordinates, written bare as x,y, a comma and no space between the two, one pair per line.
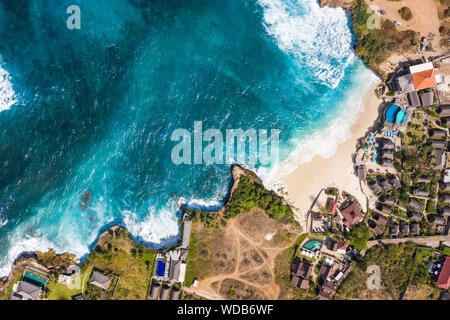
425,79
352,215
444,277
332,206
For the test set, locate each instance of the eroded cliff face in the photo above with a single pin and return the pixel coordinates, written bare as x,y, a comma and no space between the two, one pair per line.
346,4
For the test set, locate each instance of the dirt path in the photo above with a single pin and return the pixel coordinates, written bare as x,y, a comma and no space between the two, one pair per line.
424,20
433,240
268,254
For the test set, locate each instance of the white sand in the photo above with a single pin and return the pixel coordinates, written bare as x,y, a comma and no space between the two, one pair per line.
305,182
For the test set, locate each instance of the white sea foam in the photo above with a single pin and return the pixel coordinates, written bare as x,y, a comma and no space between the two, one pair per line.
155,228
322,142
7,95
317,37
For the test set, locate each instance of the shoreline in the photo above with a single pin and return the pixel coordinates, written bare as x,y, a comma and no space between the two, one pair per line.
305,182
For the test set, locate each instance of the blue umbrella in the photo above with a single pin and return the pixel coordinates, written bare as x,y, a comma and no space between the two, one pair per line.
375,151
365,149
374,160
375,155
372,136
370,141
376,144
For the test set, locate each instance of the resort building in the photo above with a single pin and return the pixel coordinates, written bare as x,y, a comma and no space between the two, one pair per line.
175,295
437,133
427,99
414,228
376,189
444,111
383,208
421,193
404,229
415,216
424,76
423,179
394,230
393,179
352,215
326,291
24,290
165,292
300,272
100,280
379,218
154,294
387,163
378,230
438,144
436,219
341,247
444,197
415,205
445,211
387,200
413,99
444,276
300,282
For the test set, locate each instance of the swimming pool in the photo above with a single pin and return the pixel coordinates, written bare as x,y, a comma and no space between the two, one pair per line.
391,112
313,245
160,268
34,278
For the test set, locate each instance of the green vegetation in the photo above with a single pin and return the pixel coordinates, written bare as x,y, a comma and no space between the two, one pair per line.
332,191
374,45
358,236
443,7
208,219
405,13
117,254
396,263
282,275
60,291
249,194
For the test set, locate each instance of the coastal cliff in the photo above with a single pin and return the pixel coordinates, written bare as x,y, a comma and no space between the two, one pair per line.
375,46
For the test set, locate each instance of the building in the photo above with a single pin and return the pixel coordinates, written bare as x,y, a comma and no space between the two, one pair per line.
405,83
300,282
376,189
415,205
186,231
445,211
438,144
444,276
437,133
434,218
361,171
446,121
439,159
414,229
100,280
165,292
380,218
24,290
423,179
341,247
427,99
404,229
387,163
413,99
444,197
415,216
387,200
175,295
378,230
352,215
387,144
446,186
421,193
394,230
444,111
332,204
385,185
383,208
387,154
424,76
324,270
301,269
393,179
326,291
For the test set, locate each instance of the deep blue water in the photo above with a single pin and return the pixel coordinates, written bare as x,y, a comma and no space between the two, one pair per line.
95,107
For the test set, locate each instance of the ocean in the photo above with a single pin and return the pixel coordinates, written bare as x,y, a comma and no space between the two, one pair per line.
94,108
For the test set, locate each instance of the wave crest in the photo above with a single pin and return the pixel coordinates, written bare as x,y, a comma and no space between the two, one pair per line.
7,94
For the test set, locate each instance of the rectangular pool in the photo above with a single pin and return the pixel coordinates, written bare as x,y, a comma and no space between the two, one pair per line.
35,279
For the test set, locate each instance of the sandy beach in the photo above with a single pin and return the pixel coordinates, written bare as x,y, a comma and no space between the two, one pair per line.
304,183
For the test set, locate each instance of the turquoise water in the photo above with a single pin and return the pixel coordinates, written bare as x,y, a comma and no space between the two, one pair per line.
34,278
94,108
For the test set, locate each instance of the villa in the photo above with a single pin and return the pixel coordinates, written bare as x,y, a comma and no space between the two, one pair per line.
421,76
24,290
300,272
415,205
352,215
394,230
98,279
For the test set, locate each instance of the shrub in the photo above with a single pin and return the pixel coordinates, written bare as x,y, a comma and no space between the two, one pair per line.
405,13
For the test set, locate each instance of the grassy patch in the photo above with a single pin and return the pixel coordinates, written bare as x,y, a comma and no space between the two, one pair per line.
396,263
118,254
358,236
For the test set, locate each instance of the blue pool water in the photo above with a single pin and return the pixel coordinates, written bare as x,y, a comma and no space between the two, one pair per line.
160,268
34,278
391,113
93,109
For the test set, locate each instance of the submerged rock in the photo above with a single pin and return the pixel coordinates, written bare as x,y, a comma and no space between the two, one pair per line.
85,199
